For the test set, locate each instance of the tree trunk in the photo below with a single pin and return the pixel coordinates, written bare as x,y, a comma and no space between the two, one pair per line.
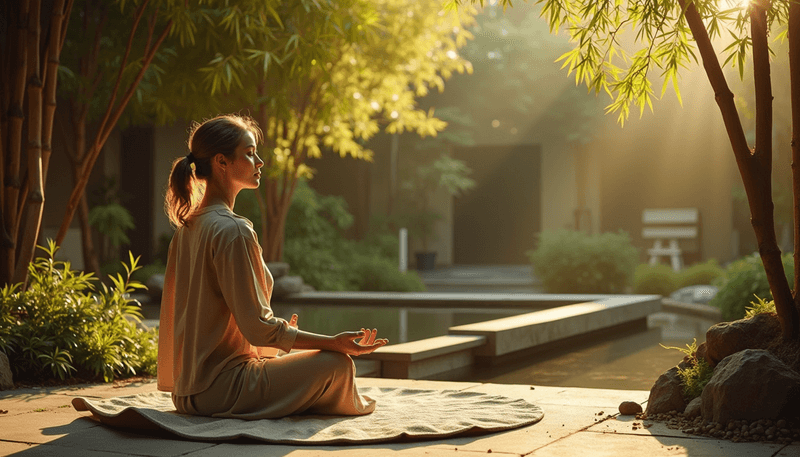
112,114
754,167
794,74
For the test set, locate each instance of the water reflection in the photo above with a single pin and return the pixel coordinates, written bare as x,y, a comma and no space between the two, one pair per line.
626,361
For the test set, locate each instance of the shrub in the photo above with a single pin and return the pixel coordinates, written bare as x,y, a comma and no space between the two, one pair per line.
745,279
379,274
61,326
573,262
700,274
657,279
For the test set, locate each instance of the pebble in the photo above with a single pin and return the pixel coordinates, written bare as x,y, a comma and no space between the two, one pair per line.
780,431
629,408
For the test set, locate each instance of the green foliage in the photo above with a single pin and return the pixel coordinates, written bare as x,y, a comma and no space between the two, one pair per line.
700,274
657,279
695,376
743,279
617,45
63,326
318,251
112,221
759,307
574,262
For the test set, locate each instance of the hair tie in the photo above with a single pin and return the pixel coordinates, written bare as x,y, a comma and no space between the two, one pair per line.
190,158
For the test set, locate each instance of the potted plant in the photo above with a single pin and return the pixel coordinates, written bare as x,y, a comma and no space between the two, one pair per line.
419,217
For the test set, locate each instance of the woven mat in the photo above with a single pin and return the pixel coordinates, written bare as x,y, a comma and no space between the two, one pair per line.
401,414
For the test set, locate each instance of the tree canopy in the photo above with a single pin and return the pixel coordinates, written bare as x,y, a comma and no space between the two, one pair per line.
320,76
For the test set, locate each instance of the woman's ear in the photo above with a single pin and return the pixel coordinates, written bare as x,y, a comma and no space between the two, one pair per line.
220,161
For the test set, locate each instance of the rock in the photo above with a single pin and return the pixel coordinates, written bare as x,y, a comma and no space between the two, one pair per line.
6,378
694,408
702,352
286,285
307,288
751,384
728,338
666,394
695,294
278,269
629,408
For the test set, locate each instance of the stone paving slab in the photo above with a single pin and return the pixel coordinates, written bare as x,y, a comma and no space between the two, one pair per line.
576,422
615,445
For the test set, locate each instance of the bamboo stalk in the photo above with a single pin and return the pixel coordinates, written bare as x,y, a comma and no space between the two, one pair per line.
54,44
35,198
16,118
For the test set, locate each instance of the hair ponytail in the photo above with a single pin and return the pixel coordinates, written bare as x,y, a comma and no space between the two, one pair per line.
220,135
183,193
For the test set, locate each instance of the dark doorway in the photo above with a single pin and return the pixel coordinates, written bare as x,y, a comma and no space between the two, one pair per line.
136,188
495,223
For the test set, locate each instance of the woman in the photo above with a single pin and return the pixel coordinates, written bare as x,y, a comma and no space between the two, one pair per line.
216,319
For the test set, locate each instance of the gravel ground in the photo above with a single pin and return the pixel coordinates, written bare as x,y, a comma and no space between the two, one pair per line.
764,430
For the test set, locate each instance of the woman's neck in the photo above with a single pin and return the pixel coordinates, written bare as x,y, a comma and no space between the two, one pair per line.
216,195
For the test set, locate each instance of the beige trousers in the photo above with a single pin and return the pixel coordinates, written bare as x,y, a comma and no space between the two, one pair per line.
311,382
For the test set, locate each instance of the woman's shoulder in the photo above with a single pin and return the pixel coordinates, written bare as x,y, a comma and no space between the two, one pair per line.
226,224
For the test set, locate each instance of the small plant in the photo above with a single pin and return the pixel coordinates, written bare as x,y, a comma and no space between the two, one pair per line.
62,326
695,376
656,279
759,307
573,262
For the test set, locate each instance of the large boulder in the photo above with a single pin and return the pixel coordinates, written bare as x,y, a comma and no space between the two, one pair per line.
666,394
752,384
727,338
6,379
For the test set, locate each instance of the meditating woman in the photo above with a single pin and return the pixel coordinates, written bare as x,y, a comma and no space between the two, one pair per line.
218,337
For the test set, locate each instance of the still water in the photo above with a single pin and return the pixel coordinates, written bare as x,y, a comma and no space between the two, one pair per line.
632,360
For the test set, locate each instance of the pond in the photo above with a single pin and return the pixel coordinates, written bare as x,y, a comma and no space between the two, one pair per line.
627,361
396,324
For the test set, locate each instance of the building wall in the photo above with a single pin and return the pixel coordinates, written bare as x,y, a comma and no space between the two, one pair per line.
676,157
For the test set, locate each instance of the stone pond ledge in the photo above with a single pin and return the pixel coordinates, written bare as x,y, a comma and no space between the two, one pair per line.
496,340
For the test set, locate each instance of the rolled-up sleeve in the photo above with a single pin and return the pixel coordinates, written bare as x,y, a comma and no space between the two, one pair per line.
243,281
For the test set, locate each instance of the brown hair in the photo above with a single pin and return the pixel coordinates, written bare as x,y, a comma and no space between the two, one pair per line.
220,135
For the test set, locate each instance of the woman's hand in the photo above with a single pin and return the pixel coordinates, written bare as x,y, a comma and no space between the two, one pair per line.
346,342
293,321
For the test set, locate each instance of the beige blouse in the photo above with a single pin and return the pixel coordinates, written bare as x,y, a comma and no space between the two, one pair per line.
215,311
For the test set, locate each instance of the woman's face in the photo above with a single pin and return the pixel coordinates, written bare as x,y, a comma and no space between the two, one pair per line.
244,172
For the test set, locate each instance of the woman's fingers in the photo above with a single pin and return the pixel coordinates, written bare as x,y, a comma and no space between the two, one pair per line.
371,336
293,321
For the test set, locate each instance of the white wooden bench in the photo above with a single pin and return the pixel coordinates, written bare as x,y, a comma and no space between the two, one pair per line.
669,226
